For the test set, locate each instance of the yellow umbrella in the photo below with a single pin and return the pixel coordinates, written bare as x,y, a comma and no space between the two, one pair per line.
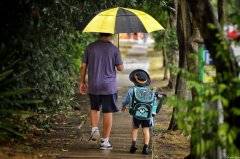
121,20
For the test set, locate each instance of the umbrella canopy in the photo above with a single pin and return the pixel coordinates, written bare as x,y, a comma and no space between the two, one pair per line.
120,20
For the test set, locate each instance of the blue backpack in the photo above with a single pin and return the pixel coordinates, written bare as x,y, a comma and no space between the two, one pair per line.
143,103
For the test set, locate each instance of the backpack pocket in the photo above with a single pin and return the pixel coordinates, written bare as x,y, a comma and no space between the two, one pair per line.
142,111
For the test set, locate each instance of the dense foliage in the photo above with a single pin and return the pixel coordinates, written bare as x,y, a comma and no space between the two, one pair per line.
14,102
41,50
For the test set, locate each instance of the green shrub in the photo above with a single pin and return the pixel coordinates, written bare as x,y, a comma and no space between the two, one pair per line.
14,105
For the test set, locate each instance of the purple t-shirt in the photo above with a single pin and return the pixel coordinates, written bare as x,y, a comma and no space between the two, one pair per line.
102,57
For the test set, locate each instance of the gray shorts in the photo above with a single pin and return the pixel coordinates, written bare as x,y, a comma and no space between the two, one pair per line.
108,103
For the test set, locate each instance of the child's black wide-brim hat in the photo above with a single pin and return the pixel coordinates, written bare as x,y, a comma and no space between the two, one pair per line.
140,77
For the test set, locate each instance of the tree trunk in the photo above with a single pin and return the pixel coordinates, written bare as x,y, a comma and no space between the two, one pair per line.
193,48
203,14
165,59
173,122
192,67
173,58
182,27
221,12
174,52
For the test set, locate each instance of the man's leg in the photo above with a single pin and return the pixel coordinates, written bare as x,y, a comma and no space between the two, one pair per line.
94,118
107,125
108,107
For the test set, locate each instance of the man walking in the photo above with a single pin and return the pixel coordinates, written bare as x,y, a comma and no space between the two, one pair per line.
101,58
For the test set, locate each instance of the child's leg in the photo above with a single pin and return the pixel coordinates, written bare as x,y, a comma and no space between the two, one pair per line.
134,139
146,139
134,133
135,126
146,135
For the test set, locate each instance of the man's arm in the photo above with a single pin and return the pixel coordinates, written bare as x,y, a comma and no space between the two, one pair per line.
83,86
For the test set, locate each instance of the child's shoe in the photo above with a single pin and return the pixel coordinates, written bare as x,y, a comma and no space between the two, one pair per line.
133,149
145,149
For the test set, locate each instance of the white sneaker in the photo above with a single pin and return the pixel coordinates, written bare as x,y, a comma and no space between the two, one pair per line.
95,136
105,146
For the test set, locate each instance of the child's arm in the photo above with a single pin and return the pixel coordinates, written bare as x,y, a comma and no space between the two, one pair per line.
126,100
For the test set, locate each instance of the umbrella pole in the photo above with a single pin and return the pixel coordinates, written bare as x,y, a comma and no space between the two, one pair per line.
118,40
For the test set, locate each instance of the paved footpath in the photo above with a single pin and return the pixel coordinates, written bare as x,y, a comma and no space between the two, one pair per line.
120,140
121,130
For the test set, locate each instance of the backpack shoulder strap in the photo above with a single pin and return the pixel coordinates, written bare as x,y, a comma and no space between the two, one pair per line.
133,95
132,101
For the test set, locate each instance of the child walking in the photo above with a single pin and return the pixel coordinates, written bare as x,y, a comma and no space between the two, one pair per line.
142,107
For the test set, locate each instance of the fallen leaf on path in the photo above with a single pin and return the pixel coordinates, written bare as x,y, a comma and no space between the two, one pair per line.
64,150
